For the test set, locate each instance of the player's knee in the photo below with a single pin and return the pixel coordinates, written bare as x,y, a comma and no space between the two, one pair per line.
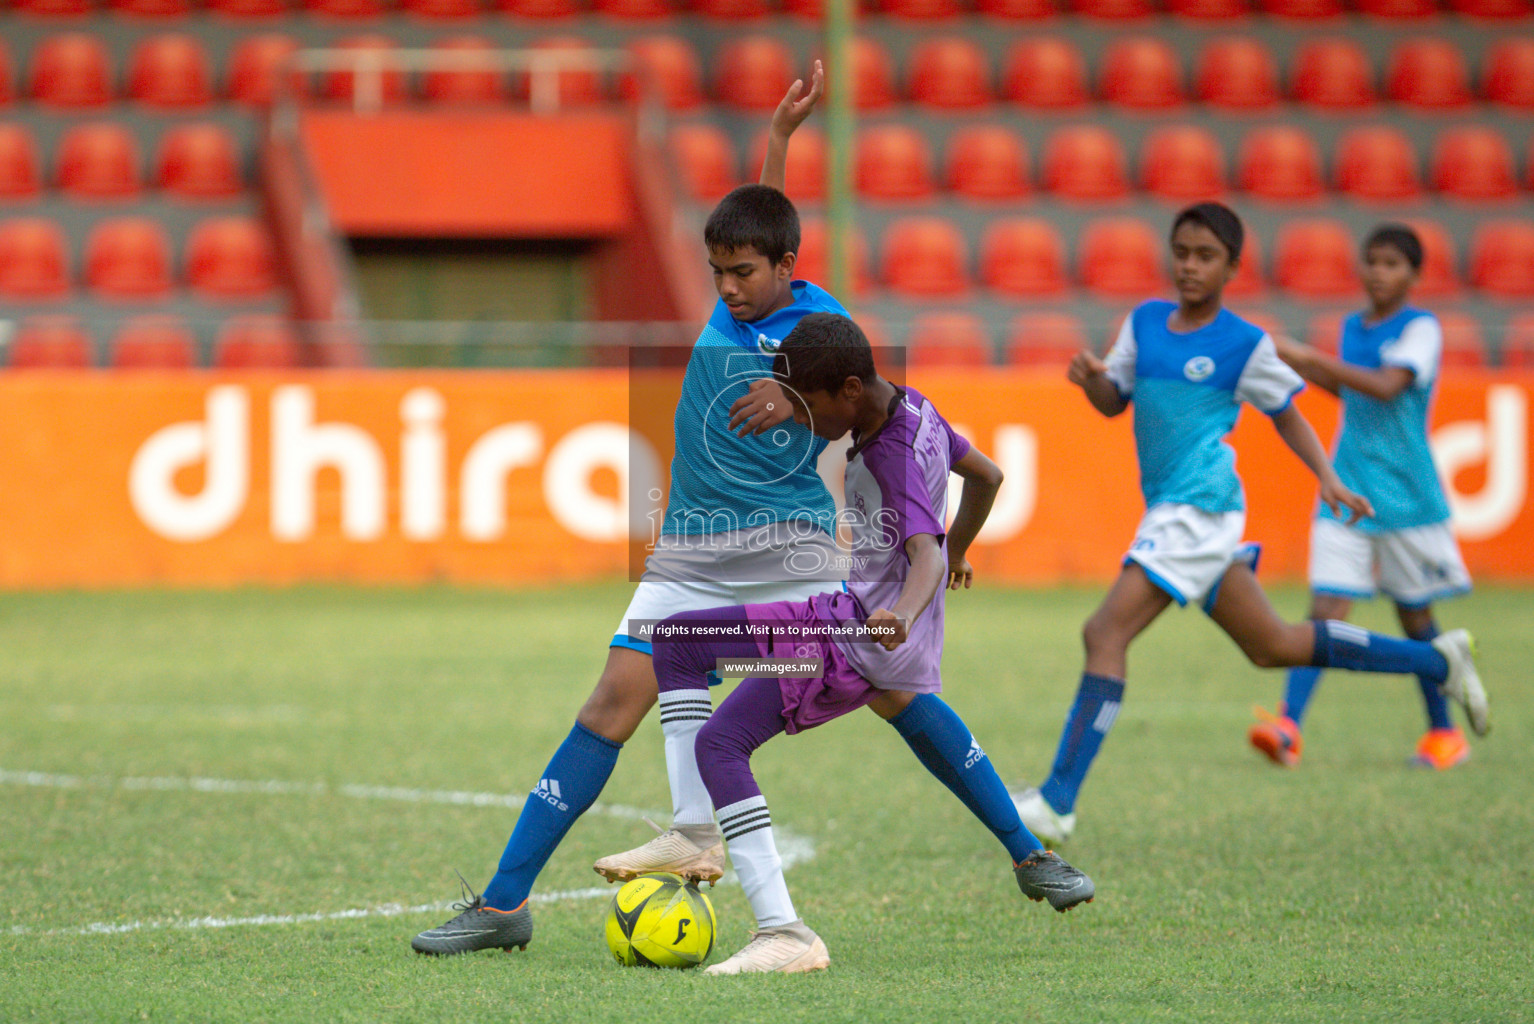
1101,635
716,748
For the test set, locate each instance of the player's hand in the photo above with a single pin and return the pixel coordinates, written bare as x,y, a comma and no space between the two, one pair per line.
1085,367
892,627
1337,497
794,109
761,408
960,573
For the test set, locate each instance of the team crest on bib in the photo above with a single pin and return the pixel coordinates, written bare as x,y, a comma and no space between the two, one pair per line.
767,344
1198,368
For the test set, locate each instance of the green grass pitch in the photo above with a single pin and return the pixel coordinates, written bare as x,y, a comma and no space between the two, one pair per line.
327,721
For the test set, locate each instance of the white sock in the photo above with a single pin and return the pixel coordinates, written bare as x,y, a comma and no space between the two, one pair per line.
682,714
747,827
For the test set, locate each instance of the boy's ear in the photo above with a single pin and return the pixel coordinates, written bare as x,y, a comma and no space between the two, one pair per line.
852,388
785,267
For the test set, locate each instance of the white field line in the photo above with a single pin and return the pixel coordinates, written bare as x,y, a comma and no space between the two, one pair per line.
792,848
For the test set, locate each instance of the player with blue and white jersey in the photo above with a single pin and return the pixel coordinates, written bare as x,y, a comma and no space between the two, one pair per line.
1390,358
1187,367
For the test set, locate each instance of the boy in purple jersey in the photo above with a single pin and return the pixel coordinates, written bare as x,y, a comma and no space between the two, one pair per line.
878,643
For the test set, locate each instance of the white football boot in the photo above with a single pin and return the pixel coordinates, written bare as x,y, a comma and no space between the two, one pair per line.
696,852
784,949
1041,819
1463,686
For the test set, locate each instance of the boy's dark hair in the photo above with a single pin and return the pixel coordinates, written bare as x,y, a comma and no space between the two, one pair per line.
1399,237
758,216
1219,219
821,352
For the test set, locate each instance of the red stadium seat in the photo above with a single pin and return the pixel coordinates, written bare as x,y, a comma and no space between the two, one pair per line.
1279,163
1325,331
71,70
1474,163
1249,281
1120,259
706,160
345,8
1399,10
478,80
249,8
1464,347
1113,10
873,75
99,161
1377,164
1518,343
51,343
1182,162
1085,162
814,10
1333,74
732,10
198,161
921,10
1499,9
54,8
7,93
253,69
1209,10
1023,259
231,258
345,87
634,10
19,166
950,73
753,73
1509,78
1428,73
1262,318
261,342
443,10
1439,277
552,10
152,8
1142,73
1314,260
1045,339
128,258
673,69
924,257
949,339
892,161
1237,73
987,162
1302,10
814,256
1017,10
805,176
34,263
1045,72
577,86
170,72
1502,259
154,343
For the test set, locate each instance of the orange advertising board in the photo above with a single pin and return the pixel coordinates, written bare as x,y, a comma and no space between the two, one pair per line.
506,477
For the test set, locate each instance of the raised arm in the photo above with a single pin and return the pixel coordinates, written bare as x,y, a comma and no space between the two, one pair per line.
1301,438
790,114
982,479
1332,374
1090,374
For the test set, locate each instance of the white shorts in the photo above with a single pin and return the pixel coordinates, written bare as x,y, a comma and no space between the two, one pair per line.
778,562
1186,551
1413,567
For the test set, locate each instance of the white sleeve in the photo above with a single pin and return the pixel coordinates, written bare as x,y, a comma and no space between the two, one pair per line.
1267,382
1121,359
1419,349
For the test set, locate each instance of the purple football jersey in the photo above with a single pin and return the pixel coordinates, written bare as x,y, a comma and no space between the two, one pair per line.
897,488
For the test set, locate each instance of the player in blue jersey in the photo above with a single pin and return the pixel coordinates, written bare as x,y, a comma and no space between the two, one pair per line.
1187,367
1390,355
747,509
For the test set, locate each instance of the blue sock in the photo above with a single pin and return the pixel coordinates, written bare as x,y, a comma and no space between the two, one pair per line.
944,744
570,784
1297,690
1343,645
1432,699
1097,705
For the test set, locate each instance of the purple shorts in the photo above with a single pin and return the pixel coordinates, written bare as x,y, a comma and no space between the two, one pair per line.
809,702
